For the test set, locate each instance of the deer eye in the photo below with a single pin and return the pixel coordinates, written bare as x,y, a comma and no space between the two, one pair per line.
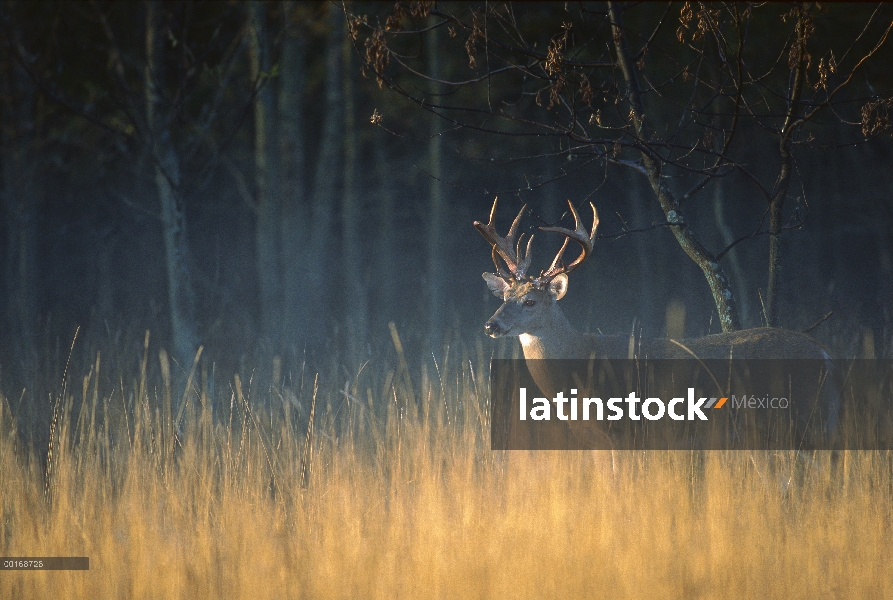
529,302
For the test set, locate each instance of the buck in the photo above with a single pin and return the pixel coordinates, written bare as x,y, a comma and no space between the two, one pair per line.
530,311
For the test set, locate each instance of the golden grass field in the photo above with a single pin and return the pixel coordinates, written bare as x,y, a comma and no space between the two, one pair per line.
386,500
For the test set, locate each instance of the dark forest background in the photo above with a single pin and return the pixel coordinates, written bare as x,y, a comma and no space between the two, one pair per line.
286,179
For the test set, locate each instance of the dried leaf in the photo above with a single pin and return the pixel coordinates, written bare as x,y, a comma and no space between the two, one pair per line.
876,116
685,14
471,42
421,8
596,118
803,29
393,23
353,25
823,75
377,54
585,90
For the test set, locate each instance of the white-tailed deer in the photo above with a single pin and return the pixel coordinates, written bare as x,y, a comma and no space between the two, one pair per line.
530,311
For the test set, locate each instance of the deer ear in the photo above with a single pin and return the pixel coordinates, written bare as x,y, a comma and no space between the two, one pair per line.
496,284
558,286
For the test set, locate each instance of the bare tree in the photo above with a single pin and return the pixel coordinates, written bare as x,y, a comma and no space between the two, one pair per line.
153,99
436,209
326,180
266,170
294,229
167,169
351,216
679,95
19,196
385,243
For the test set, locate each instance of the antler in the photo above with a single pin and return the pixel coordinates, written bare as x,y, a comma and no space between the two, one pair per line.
580,236
506,247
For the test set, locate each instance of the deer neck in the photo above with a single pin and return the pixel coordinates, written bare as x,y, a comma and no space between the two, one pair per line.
554,338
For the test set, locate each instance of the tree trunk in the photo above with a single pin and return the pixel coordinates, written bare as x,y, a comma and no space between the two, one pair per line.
385,255
325,182
266,233
783,182
713,272
293,226
20,202
776,204
775,208
354,292
167,182
646,295
719,202
436,266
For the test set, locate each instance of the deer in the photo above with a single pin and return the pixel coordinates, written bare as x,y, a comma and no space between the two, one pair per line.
530,312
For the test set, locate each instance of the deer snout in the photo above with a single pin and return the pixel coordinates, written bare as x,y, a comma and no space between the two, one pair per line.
494,328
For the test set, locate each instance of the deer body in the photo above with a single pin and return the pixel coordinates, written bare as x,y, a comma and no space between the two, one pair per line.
534,316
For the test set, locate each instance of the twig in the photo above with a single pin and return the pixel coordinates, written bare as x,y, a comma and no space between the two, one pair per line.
819,322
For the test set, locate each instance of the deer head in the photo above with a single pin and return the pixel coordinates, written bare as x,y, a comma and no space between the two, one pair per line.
529,302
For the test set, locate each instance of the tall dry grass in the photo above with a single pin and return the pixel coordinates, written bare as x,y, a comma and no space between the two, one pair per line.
226,492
